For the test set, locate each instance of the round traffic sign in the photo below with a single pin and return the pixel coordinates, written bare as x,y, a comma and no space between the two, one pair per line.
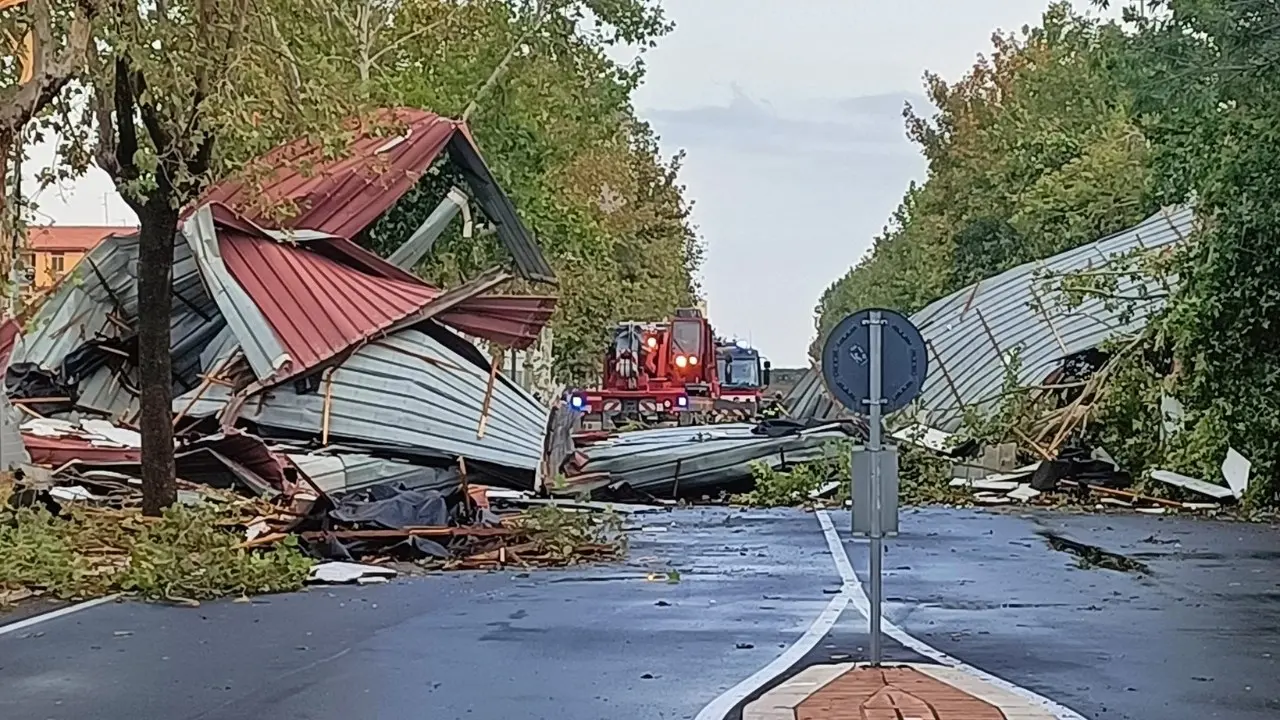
846,361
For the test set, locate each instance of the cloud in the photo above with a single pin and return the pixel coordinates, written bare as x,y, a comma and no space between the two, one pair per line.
869,126
787,198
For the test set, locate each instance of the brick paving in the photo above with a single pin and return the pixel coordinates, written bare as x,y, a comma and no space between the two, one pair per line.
893,693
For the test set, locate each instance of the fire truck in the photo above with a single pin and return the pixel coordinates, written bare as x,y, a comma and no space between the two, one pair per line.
675,370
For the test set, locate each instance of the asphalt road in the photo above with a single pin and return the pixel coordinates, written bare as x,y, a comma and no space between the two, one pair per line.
1196,638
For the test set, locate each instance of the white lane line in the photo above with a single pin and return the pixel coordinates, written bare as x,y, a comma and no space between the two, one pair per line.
826,620
858,598
55,614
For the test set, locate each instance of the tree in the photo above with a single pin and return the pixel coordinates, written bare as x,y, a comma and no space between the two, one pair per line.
171,80
1036,150
50,42
1208,75
552,113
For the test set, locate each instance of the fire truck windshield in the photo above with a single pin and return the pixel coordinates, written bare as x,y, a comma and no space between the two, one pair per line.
742,372
686,337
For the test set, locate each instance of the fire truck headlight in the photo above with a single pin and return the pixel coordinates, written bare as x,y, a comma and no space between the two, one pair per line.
577,402
682,401
681,361
693,359
652,342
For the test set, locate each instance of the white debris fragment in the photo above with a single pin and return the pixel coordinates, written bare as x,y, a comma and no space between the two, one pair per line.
1023,493
924,436
1190,483
345,572
1235,470
71,493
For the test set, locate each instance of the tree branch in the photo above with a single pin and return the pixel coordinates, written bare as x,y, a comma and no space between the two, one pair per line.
51,71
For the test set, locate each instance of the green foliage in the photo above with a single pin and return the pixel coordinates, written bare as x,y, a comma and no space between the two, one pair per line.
552,113
924,478
566,537
1206,74
185,555
1035,151
778,488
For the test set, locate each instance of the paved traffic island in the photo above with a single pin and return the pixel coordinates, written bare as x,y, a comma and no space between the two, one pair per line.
852,691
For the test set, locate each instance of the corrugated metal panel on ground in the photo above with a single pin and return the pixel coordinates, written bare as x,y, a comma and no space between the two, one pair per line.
809,399
688,460
961,348
410,390
349,472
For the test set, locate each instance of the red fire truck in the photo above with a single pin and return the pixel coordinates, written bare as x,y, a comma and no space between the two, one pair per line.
671,370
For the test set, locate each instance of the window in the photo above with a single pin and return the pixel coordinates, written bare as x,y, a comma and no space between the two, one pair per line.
743,372
57,263
687,337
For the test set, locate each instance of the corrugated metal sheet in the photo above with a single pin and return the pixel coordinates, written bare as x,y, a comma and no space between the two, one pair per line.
9,332
335,474
12,452
245,321
971,331
514,321
689,460
316,306
412,391
809,400
105,283
344,196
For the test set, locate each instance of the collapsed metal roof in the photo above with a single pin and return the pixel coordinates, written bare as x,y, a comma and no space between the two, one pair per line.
389,153
809,399
412,394
298,300
685,461
972,333
964,329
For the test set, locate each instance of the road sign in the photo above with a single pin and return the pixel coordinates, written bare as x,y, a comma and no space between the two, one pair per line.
875,362
846,361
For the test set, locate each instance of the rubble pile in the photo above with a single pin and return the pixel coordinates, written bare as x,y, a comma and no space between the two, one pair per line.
1017,368
335,391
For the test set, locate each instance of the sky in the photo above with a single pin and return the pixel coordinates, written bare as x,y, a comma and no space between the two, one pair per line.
790,112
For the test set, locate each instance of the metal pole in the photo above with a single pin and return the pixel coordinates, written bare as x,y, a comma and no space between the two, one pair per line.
874,447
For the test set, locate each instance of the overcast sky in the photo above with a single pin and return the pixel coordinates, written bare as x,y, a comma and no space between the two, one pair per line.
791,114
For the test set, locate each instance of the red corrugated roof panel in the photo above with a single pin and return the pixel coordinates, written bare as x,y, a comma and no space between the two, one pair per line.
343,196
317,306
509,320
9,331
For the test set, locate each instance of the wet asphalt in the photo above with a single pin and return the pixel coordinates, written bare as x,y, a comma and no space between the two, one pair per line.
1197,637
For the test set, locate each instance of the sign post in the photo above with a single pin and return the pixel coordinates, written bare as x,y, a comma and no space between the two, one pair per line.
875,362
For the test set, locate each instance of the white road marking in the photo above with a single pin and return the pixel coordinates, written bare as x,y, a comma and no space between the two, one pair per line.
860,601
851,593
826,620
54,614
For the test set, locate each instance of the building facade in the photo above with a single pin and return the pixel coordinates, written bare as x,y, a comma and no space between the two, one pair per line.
52,251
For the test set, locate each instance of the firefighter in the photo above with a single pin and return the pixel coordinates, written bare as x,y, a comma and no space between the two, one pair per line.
774,409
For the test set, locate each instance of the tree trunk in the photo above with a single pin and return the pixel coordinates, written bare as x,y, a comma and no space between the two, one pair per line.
159,222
